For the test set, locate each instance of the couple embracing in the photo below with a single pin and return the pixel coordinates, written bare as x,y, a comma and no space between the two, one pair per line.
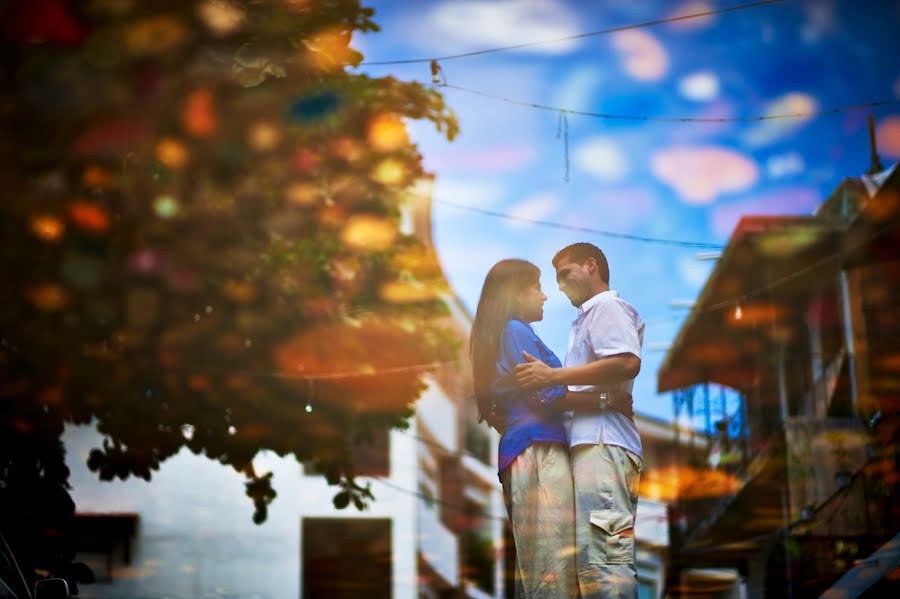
570,453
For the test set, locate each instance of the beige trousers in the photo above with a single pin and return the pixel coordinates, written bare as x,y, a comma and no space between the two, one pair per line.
606,479
537,488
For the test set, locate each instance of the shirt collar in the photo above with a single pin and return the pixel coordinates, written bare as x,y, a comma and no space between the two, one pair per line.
590,303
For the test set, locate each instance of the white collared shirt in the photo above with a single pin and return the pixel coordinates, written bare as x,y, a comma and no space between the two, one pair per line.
606,325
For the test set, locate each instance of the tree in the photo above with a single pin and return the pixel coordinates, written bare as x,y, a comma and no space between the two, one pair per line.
200,222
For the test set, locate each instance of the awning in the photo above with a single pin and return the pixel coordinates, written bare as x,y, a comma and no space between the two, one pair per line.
754,299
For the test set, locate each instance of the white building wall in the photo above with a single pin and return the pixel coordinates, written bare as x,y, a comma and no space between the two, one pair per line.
196,536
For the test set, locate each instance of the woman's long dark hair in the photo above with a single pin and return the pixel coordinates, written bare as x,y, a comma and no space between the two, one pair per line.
503,286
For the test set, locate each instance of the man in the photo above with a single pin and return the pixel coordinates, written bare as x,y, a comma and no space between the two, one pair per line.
604,354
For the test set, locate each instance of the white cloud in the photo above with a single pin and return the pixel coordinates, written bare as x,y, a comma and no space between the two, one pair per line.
767,132
701,173
701,86
537,207
785,165
479,24
694,272
603,159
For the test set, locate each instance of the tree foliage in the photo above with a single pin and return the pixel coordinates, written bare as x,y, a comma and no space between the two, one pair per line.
200,221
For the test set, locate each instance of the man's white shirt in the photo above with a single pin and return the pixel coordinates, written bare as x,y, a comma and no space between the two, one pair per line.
606,325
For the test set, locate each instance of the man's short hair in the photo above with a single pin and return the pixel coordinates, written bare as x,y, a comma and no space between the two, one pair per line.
579,254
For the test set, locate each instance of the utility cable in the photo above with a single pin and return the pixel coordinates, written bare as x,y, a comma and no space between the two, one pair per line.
697,15
673,119
612,234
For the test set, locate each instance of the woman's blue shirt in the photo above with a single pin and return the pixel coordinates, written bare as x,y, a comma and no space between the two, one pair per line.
530,415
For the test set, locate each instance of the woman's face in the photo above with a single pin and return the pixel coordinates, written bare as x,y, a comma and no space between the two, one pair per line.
531,303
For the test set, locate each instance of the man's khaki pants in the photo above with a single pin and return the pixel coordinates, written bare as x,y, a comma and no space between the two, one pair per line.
606,481
537,488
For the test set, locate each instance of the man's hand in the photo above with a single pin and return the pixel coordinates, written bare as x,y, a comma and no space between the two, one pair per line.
533,373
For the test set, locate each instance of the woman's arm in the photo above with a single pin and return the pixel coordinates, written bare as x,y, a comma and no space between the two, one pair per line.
605,371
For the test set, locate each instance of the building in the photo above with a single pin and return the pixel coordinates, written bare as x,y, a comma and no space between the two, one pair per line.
435,529
659,487
798,325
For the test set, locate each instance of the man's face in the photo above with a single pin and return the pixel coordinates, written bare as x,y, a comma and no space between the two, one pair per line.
575,280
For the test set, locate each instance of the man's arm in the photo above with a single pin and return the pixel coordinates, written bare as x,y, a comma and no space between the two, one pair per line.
605,371
579,401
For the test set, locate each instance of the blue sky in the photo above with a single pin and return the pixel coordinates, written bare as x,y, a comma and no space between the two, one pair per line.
687,181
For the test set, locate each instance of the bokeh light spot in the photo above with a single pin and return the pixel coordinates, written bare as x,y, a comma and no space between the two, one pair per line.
240,292
389,171
221,17
48,297
368,233
172,153
347,148
47,227
199,116
408,291
329,50
306,160
96,176
387,132
166,206
89,217
263,136
302,193
155,35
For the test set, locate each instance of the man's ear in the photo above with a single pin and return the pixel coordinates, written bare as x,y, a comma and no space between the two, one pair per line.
591,265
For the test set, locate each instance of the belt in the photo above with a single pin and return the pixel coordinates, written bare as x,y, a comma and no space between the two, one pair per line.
616,401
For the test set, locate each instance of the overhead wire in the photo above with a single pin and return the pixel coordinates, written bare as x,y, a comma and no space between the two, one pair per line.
600,232
611,30
673,119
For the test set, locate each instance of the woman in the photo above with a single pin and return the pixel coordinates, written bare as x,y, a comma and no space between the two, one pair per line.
533,456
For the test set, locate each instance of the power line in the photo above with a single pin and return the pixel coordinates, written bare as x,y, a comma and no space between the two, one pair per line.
612,234
707,13
671,119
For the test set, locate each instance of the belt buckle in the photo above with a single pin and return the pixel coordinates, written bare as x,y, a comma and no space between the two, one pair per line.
603,402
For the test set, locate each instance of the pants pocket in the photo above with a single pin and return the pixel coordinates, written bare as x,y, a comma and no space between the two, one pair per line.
612,538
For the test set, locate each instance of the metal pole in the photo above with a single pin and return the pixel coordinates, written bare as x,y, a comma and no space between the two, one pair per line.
845,295
848,340
876,166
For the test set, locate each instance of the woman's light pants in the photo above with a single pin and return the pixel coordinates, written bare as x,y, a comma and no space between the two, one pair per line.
537,488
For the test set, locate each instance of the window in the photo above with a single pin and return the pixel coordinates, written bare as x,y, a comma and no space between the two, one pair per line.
103,541
346,558
477,438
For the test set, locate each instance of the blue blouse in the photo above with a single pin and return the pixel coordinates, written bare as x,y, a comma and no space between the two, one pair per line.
530,415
